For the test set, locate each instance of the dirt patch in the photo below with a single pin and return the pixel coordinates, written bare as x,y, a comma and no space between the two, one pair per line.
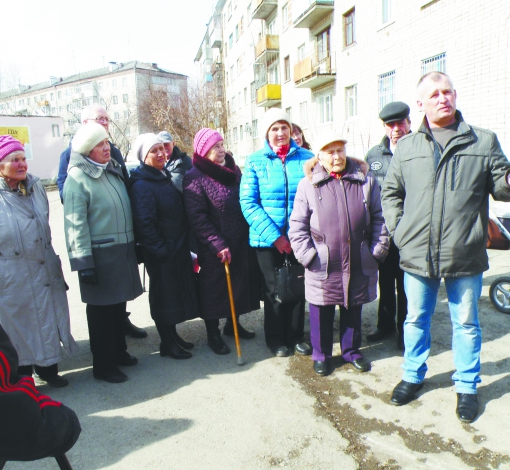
352,426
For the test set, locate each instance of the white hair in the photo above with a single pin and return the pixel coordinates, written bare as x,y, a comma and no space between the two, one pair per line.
90,111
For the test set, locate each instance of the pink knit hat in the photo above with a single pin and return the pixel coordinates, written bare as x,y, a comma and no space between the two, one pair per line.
205,139
9,144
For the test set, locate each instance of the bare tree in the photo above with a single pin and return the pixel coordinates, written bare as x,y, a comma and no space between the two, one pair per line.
183,114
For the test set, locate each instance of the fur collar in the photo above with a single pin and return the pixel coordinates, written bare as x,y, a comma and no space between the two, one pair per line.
227,174
355,170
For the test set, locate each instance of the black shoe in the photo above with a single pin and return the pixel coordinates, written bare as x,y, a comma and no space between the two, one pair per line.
467,407
113,376
127,360
169,345
403,393
228,330
303,349
56,381
378,335
216,343
181,342
321,368
400,343
281,351
132,330
361,364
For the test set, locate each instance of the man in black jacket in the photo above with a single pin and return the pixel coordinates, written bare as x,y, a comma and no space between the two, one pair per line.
178,162
96,113
395,117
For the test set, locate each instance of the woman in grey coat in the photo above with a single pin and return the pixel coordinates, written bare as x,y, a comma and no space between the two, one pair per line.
34,310
337,233
101,247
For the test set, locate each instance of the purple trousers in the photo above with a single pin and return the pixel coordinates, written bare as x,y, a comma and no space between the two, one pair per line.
321,332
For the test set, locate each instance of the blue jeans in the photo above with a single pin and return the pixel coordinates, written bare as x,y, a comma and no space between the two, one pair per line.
463,294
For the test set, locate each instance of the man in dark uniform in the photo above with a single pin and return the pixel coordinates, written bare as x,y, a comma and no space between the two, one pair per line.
96,113
395,117
178,162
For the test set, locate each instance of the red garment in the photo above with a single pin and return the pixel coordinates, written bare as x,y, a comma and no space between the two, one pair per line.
337,176
282,152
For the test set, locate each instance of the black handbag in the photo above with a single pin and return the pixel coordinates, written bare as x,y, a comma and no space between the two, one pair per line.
289,282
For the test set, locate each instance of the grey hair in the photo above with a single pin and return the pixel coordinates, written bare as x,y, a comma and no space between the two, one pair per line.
89,112
435,77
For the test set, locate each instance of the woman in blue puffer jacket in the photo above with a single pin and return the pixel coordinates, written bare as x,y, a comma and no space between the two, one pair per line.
268,188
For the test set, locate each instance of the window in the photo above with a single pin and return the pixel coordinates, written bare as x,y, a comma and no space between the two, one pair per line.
59,94
303,114
124,81
285,17
43,97
114,83
325,109
125,98
126,114
271,27
226,77
246,96
229,10
28,101
351,101
51,96
60,110
234,107
53,111
273,75
231,41
434,64
247,129
323,45
253,91
21,102
235,135
286,69
241,26
239,100
289,112
240,132
387,11
255,129
115,99
116,115
248,11
225,49
99,85
127,131
301,52
349,28
55,130
232,73
237,32
240,64
386,88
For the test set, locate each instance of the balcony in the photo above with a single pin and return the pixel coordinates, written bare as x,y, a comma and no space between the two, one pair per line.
268,44
43,103
263,9
215,38
216,67
269,95
312,73
307,13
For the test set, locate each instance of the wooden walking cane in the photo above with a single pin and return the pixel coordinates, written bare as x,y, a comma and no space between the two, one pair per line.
240,361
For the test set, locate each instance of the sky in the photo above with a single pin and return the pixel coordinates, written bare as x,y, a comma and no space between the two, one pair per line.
62,37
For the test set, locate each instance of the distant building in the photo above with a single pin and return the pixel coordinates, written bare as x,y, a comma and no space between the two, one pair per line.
119,88
333,64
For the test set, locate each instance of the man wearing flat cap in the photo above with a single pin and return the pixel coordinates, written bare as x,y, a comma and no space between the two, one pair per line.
178,162
395,118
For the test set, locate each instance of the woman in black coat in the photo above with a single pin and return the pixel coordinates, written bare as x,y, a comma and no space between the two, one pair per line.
211,197
161,228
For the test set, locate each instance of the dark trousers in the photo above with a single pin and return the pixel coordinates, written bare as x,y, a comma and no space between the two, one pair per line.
43,372
321,332
391,303
283,323
107,340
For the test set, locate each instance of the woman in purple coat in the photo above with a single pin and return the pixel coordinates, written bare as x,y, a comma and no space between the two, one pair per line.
338,234
211,198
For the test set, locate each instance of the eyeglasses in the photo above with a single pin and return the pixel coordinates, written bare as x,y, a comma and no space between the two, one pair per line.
101,119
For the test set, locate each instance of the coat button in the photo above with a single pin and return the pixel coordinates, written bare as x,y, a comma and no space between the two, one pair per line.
16,253
41,262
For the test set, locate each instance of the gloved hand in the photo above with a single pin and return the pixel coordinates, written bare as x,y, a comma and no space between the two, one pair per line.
88,276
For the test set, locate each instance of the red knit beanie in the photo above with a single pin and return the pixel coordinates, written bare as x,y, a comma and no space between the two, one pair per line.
205,139
8,145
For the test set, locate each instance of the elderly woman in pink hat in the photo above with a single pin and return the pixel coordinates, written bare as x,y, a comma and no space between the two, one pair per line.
211,198
34,311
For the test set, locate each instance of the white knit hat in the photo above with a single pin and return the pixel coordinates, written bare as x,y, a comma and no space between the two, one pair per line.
274,115
143,144
87,137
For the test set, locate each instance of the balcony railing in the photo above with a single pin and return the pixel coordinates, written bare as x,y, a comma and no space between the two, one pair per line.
215,38
306,13
269,95
263,9
313,71
269,43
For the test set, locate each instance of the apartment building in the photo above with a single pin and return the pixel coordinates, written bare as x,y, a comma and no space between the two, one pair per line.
333,64
120,88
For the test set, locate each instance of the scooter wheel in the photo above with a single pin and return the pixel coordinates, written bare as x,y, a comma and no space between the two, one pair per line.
499,293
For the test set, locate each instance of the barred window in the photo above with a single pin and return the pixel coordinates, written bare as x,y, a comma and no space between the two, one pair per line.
386,88
434,64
